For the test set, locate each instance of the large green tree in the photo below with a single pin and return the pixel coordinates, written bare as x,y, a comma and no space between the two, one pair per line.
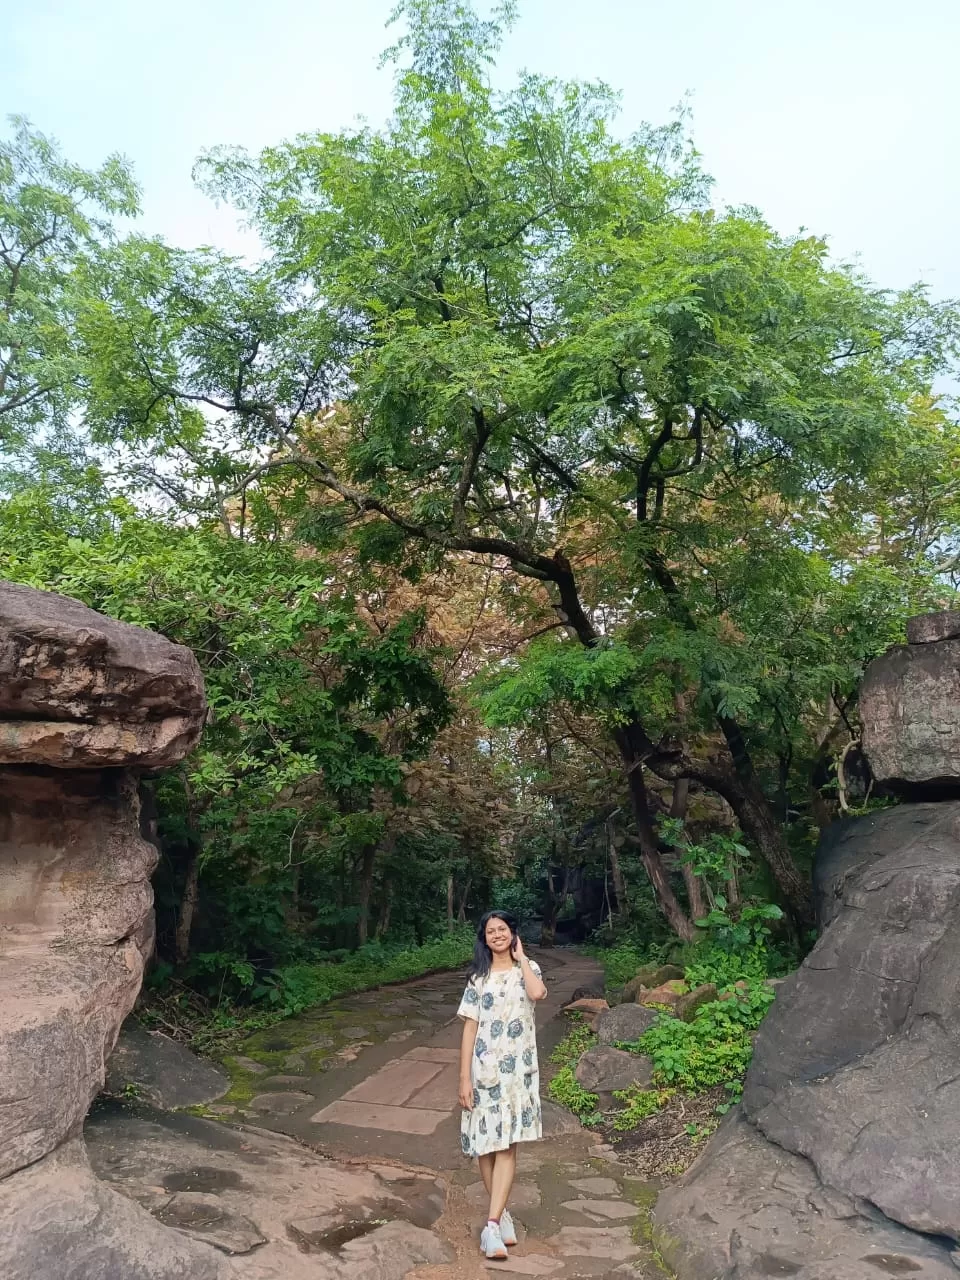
541,345
55,221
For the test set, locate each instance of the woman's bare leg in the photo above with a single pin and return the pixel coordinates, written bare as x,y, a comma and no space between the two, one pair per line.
486,1169
504,1171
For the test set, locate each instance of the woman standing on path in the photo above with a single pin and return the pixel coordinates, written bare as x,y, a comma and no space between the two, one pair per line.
499,1072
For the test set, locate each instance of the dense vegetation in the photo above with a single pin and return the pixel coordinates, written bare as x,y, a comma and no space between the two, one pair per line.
532,518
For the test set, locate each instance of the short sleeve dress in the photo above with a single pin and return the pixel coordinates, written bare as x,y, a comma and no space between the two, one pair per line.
505,1071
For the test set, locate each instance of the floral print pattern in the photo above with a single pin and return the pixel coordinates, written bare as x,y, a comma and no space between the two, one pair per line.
504,1069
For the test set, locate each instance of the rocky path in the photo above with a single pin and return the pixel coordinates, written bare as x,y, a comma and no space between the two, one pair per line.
370,1083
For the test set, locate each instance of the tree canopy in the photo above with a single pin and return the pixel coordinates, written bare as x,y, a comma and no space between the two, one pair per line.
700,465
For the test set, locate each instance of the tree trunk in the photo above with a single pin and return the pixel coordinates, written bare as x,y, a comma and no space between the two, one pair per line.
631,753
758,824
462,909
188,906
616,873
449,904
383,924
678,809
191,888
366,892
548,929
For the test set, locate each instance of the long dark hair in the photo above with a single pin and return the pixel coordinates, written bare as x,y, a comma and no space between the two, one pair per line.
482,955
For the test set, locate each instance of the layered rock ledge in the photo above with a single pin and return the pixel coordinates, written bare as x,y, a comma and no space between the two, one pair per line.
85,703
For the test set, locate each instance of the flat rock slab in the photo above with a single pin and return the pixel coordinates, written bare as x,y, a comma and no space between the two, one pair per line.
615,1243
608,1210
165,1072
528,1264
394,1083
249,1064
596,1186
206,1218
281,1103
366,1115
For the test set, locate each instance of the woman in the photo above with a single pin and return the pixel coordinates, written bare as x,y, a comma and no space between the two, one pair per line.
499,1073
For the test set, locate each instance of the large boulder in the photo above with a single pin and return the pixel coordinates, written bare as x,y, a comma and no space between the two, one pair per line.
604,1070
85,702
81,691
910,710
854,1075
748,1210
162,1070
625,1023
843,1161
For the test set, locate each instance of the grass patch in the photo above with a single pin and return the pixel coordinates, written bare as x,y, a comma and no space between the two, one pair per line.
218,1030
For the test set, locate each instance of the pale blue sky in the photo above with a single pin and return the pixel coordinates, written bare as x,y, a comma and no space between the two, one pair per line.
841,117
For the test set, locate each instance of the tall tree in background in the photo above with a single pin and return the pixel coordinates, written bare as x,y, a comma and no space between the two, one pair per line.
493,328
55,220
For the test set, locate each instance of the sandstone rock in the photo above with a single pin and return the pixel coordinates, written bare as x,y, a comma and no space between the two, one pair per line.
667,994
162,1070
77,924
686,1007
558,1120
83,701
586,1006
910,710
748,1210
626,1022
589,993
59,1222
208,1220
603,1070
392,1252
78,690
929,627
852,1093
650,976
304,1206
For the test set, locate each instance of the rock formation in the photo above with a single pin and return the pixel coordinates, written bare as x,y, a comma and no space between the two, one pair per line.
843,1163
85,703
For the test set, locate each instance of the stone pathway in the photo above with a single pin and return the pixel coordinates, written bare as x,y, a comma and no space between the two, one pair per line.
372,1080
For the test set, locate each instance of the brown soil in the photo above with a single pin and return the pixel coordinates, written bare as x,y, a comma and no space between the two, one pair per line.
660,1146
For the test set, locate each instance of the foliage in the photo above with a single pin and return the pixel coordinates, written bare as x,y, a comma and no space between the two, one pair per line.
639,1104
55,222
715,1048
575,1043
494,328
748,930
514,490
218,1028
565,1089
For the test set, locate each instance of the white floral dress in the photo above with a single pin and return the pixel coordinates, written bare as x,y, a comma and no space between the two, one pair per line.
504,1071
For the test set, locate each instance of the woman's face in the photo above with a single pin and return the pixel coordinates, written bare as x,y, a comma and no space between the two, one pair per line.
498,936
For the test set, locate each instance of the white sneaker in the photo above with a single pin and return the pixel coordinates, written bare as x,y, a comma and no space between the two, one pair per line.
491,1242
508,1232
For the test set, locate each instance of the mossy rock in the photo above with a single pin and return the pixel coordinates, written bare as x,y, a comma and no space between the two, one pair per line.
687,1006
649,977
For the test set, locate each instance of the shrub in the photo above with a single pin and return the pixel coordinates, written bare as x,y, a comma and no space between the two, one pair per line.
716,1047
566,1089
639,1104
